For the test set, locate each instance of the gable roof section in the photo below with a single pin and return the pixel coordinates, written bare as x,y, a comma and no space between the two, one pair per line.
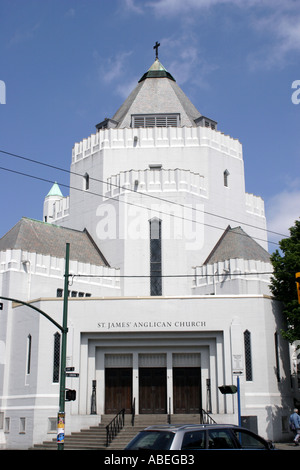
47,239
235,243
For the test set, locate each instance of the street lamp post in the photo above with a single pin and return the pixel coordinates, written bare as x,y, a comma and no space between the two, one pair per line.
61,413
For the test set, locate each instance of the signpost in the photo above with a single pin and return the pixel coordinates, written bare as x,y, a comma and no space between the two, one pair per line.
238,373
62,398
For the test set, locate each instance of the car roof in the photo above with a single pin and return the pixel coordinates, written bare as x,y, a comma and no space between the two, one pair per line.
179,427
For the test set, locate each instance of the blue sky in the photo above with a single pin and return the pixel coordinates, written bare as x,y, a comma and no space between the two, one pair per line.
68,64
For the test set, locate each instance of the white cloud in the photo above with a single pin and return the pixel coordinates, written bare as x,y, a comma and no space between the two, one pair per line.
277,21
176,7
283,27
20,36
70,13
189,64
130,5
113,68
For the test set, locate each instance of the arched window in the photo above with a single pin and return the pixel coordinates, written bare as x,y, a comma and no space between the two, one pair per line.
248,355
86,181
226,178
155,257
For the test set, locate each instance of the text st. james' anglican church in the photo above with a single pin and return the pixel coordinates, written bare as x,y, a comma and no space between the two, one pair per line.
169,297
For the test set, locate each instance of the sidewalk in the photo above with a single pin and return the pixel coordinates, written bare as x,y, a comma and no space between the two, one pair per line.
286,446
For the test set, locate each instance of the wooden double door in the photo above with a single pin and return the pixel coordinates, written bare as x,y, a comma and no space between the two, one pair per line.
153,390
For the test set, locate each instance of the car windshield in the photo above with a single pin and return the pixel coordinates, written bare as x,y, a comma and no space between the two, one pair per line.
156,440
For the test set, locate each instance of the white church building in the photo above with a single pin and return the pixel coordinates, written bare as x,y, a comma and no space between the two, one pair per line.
169,281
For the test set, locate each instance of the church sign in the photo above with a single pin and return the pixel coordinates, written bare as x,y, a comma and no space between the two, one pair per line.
151,324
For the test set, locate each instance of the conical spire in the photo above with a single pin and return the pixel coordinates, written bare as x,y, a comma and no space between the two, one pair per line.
55,191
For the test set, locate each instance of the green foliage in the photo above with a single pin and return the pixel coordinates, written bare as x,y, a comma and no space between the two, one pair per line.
286,262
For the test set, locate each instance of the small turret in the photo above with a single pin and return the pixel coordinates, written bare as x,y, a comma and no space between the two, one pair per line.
55,195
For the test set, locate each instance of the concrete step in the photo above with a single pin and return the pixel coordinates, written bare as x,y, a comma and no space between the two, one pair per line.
95,436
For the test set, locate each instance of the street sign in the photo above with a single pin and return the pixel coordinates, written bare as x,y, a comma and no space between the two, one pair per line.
72,374
70,369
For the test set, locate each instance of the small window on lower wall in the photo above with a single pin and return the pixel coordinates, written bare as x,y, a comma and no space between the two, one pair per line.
22,426
52,425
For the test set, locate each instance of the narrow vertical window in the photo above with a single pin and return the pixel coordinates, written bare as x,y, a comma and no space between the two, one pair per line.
22,429
226,178
155,257
28,364
248,355
276,340
86,181
56,357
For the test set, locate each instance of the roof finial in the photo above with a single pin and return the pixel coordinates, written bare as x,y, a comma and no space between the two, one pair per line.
157,44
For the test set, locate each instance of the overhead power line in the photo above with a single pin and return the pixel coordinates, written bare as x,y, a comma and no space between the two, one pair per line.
130,203
171,275
136,192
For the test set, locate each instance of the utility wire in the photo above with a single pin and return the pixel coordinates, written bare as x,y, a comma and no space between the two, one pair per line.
171,275
130,203
136,192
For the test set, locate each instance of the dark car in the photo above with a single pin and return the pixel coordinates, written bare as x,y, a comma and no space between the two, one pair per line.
192,437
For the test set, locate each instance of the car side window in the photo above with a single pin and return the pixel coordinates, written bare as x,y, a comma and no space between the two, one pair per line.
193,440
248,440
220,439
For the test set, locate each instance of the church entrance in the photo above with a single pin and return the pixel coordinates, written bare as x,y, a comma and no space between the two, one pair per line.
153,390
118,390
187,389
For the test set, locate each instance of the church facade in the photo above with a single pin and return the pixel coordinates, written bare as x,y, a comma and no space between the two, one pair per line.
169,281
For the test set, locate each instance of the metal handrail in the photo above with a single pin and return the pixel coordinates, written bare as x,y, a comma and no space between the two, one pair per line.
133,412
205,418
115,426
169,413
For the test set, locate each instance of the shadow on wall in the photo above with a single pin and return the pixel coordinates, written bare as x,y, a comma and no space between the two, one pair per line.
278,414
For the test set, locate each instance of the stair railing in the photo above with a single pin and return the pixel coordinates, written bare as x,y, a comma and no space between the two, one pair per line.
169,412
205,418
115,426
133,412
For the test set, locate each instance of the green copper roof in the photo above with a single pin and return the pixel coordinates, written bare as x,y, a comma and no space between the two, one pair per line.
55,191
157,70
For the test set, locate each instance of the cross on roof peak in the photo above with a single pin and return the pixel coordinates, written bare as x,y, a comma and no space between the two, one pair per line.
157,44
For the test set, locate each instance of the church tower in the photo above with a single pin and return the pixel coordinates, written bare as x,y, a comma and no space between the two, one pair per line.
158,162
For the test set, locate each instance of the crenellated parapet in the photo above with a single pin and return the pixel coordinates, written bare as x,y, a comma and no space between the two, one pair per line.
152,180
156,137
